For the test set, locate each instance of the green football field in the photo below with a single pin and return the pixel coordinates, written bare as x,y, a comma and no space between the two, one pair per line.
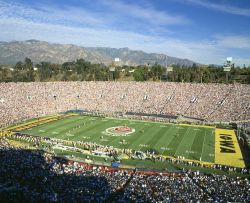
192,142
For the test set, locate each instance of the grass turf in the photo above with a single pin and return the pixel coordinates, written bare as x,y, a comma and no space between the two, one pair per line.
192,142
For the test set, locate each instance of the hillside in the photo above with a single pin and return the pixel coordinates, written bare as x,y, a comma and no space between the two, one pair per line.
37,51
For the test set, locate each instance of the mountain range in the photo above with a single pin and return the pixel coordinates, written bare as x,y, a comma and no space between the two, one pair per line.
38,51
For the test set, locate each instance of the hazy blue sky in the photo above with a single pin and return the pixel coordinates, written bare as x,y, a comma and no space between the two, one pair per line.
200,30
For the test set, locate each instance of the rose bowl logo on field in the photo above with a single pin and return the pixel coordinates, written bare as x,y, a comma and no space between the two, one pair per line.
119,131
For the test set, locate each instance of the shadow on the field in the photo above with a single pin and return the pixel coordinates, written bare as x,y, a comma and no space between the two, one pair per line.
245,149
27,176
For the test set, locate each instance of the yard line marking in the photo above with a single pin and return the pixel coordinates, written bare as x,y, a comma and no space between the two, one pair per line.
166,148
143,145
69,134
203,145
85,137
180,144
191,152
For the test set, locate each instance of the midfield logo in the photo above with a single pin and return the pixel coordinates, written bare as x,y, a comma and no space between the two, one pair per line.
119,131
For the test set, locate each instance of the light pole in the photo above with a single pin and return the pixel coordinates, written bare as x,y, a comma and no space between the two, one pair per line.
227,67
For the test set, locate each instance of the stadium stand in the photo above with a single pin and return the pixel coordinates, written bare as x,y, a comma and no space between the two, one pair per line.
38,176
213,102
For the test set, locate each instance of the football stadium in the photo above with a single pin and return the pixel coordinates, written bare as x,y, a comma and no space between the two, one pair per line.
125,135
121,101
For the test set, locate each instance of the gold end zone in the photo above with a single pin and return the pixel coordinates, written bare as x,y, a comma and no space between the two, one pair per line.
38,121
227,149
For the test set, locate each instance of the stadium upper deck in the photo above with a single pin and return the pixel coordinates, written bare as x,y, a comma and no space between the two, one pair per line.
213,102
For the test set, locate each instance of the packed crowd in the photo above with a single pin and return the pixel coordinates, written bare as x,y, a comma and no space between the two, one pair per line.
28,176
213,102
39,177
224,189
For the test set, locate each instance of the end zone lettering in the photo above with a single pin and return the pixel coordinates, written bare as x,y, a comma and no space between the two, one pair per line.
226,144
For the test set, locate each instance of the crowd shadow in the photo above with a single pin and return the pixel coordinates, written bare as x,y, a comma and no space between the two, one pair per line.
245,149
26,176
